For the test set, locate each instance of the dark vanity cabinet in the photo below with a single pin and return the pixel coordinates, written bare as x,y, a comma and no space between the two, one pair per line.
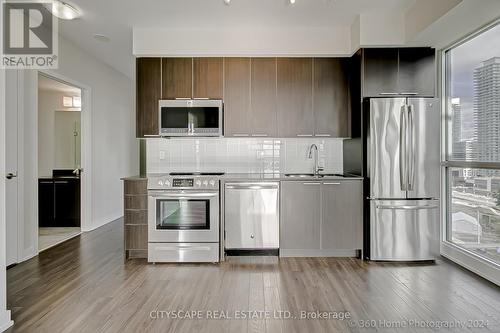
59,202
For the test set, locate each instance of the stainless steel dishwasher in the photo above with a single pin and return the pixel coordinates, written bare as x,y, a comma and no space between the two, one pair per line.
251,215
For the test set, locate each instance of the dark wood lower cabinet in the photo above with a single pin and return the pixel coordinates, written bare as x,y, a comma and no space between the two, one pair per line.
135,218
45,203
59,202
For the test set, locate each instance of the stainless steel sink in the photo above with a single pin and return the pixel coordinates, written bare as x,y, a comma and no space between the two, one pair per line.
303,175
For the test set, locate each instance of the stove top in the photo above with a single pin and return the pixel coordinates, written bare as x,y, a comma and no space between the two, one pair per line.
196,173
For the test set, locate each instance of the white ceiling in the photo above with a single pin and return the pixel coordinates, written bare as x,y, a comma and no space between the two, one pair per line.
118,18
48,84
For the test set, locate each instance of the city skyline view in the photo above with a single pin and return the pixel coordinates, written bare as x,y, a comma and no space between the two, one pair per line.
474,107
465,59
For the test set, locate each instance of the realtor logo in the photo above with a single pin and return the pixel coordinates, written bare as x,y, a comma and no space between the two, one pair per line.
29,35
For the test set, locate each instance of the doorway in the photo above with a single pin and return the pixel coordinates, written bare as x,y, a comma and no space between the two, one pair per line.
59,161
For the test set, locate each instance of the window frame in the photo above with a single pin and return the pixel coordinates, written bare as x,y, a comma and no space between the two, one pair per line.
448,248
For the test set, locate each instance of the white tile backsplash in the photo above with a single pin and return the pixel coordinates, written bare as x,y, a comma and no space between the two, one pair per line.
241,155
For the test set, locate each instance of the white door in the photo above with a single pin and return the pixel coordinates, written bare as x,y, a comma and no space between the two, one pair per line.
11,160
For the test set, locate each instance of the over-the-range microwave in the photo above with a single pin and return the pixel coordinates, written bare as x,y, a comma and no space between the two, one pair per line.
191,117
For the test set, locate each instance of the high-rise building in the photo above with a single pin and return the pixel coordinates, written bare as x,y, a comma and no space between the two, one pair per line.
487,110
458,145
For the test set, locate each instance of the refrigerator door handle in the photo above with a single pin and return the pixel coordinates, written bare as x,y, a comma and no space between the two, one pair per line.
411,149
403,172
407,207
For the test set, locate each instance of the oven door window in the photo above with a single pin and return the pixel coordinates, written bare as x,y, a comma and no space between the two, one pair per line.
183,214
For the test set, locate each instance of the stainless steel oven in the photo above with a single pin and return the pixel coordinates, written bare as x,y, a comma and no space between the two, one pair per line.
183,216
190,117
183,219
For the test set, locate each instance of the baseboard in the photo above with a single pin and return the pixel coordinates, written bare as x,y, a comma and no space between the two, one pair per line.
103,221
318,253
475,264
5,321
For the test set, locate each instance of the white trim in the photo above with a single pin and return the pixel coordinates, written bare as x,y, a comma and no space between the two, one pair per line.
86,158
5,321
482,267
5,318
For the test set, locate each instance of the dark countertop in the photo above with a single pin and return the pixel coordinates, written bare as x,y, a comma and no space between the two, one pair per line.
59,178
263,177
136,177
281,177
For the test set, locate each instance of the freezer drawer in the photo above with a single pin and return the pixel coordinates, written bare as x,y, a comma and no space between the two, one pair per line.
404,230
251,216
183,252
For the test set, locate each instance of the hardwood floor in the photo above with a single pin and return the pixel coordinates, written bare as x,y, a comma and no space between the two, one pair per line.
83,285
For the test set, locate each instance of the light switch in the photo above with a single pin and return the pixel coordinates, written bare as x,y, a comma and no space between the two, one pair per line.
162,154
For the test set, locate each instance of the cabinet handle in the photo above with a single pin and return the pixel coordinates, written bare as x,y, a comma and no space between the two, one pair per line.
182,98
61,182
389,94
331,183
240,135
323,135
311,183
201,98
409,93
304,135
151,135
259,135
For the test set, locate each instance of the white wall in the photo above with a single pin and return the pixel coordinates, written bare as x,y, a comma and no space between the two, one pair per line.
464,18
382,29
242,155
242,42
114,147
48,102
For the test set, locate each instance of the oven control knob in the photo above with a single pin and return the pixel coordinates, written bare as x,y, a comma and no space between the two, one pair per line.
198,183
167,183
205,183
160,182
212,182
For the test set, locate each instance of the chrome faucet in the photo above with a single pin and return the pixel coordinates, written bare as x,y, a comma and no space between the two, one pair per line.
316,167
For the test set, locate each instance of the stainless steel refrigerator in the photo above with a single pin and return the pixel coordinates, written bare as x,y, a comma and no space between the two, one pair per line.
403,146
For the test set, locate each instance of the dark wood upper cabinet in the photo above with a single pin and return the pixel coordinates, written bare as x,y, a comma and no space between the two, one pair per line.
417,71
208,78
237,96
403,71
331,97
380,77
294,97
177,78
263,97
148,75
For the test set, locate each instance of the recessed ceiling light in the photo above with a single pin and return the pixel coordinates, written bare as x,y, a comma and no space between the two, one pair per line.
227,2
102,38
63,10
291,2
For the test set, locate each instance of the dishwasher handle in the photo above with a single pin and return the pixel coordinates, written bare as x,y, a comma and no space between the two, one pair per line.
252,186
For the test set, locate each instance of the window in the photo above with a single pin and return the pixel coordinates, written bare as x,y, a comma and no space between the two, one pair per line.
472,165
